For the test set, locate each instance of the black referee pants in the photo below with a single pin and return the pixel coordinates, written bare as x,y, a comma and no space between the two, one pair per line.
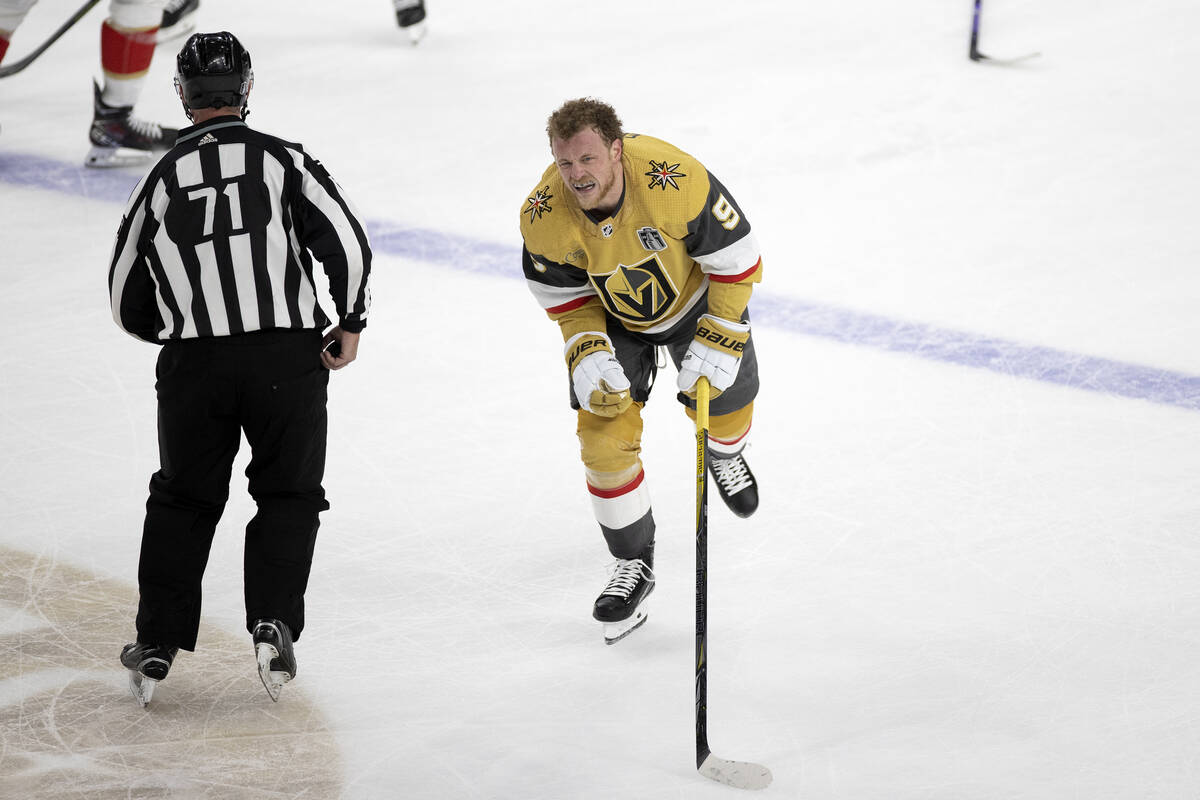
272,386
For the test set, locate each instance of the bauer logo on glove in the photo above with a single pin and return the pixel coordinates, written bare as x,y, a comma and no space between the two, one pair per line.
714,337
597,378
715,353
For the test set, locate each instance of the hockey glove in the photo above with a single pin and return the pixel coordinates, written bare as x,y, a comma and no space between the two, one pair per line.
715,353
599,382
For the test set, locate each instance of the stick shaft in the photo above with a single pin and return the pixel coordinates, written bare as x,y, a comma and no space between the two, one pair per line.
17,66
702,396
974,51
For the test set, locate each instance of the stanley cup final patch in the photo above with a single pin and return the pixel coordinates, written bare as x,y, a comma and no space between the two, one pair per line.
651,239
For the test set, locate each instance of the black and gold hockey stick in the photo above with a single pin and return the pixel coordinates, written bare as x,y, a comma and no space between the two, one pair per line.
740,774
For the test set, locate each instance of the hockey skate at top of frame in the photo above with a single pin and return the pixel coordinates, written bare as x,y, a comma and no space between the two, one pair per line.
178,20
410,16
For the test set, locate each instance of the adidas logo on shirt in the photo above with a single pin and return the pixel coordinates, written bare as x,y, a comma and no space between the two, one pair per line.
208,138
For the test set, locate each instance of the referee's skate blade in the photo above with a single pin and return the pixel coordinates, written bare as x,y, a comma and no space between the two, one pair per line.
616,631
141,687
108,157
739,774
272,680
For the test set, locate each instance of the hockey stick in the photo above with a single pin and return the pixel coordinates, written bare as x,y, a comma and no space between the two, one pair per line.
17,66
974,53
740,774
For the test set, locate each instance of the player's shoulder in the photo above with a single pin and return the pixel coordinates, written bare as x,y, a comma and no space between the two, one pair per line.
543,219
673,180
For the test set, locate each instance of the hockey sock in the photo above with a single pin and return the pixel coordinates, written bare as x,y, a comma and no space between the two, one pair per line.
125,56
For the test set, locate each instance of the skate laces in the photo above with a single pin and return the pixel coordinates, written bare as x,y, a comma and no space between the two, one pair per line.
151,130
732,474
625,577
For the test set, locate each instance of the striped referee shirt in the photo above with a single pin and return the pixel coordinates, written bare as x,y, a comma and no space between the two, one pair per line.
218,239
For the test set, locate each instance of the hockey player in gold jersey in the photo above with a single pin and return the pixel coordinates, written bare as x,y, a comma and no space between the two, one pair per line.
631,245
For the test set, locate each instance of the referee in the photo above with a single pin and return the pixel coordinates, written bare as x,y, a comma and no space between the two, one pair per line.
214,261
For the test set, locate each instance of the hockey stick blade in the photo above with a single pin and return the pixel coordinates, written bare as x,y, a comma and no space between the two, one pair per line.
1000,62
17,66
738,774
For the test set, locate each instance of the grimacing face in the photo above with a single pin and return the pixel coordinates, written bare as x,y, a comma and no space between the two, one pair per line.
590,169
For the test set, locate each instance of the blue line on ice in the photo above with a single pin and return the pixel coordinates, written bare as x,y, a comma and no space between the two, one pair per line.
1045,364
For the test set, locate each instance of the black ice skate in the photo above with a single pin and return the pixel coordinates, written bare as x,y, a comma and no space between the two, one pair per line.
622,604
410,16
147,664
178,19
120,139
735,483
276,660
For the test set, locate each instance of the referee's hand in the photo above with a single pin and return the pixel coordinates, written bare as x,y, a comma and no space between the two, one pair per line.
340,348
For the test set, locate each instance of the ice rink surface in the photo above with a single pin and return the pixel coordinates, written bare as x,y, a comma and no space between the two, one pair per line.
975,574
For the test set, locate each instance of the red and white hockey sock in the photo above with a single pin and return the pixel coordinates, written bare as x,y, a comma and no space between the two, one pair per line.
125,56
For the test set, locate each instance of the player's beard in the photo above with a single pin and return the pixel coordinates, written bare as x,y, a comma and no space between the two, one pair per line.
594,198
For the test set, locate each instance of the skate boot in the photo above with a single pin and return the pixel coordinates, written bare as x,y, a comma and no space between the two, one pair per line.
147,664
622,604
410,16
178,19
276,660
120,139
735,483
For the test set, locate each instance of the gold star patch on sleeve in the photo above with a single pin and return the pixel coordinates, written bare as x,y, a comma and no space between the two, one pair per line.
539,204
662,174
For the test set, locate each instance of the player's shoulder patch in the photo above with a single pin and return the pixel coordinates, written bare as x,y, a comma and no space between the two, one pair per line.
539,203
545,224
672,182
542,199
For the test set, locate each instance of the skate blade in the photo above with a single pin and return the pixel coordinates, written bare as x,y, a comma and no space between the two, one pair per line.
415,33
186,25
272,680
141,687
109,157
616,631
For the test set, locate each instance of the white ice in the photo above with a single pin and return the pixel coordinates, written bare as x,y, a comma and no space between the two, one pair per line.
976,570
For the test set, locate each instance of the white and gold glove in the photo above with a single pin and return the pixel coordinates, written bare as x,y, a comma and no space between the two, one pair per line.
599,382
715,353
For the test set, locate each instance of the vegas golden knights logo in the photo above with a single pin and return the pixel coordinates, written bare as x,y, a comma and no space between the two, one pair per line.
641,293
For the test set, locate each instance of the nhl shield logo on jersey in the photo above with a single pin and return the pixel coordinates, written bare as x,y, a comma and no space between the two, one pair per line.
539,204
640,293
662,175
651,239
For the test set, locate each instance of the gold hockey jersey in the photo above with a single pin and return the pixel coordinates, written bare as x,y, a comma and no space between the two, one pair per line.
676,233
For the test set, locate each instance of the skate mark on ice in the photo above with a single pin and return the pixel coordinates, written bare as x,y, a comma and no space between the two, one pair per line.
944,345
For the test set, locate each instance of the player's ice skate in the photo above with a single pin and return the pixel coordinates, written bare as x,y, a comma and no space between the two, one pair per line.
178,19
622,604
147,664
735,483
410,16
276,659
120,139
